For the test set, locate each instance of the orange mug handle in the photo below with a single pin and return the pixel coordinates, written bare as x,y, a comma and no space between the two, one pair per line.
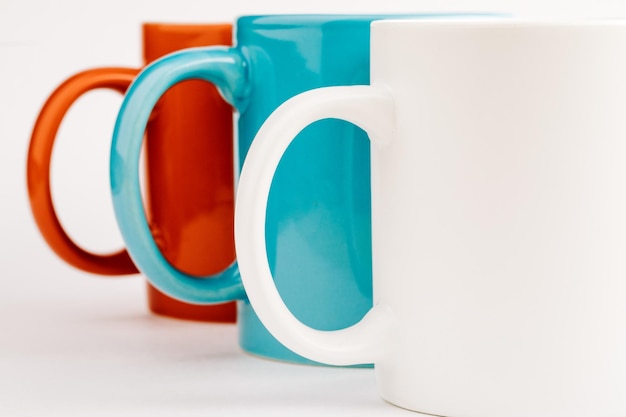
38,170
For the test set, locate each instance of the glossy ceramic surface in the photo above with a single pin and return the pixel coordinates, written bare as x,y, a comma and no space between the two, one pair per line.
190,136
318,229
38,169
498,227
177,153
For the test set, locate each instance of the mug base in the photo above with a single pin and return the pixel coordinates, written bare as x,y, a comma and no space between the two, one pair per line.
164,305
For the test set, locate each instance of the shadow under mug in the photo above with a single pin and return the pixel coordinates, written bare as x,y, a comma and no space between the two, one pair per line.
498,218
189,137
318,228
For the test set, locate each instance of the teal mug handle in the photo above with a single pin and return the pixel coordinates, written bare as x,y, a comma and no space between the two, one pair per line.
224,67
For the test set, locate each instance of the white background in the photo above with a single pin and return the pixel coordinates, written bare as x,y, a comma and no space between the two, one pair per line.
77,344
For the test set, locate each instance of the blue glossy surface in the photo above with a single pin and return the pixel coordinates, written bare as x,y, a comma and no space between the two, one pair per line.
218,65
318,218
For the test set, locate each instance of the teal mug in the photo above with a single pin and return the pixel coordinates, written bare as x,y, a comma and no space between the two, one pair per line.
318,228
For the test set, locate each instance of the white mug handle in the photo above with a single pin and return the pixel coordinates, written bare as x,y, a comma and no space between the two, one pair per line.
369,108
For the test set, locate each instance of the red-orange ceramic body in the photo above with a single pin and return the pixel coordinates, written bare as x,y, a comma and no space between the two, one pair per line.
189,179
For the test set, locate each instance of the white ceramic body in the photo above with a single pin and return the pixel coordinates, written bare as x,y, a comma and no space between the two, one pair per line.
498,218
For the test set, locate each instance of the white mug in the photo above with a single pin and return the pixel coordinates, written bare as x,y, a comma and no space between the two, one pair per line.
498,218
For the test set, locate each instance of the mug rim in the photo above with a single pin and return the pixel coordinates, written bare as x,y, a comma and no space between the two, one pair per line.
500,23
298,20
182,25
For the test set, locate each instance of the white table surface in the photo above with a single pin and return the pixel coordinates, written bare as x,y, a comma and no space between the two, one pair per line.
73,344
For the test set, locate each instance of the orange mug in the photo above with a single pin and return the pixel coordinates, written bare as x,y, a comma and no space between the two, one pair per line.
188,217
